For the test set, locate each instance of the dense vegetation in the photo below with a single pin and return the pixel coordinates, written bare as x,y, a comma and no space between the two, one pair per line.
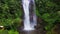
49,11
11,12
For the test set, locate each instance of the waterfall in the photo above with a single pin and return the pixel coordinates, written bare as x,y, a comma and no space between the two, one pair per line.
29,14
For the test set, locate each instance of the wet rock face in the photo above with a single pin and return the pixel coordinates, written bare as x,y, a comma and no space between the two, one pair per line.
32,12
40,26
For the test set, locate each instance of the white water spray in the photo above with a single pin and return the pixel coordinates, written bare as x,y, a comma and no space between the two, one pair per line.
28,25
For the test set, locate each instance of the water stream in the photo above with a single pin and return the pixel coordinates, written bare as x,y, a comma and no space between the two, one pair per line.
29,14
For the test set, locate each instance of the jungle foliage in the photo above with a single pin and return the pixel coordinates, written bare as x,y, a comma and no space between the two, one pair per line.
49,11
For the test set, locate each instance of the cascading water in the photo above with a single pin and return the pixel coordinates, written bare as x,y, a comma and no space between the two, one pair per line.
29,14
